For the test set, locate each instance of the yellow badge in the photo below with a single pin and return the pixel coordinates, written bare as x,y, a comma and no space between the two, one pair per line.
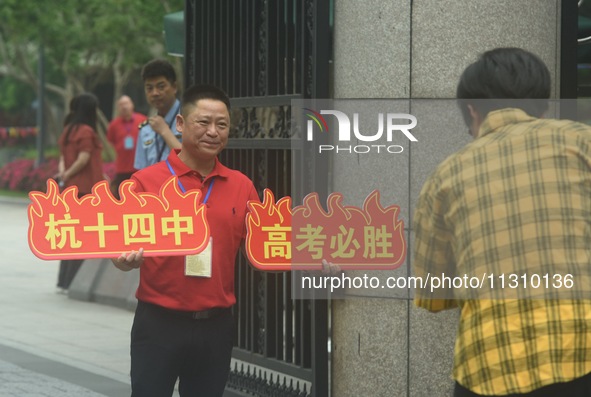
199,265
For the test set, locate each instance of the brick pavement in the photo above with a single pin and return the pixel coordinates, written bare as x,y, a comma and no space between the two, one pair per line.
51,345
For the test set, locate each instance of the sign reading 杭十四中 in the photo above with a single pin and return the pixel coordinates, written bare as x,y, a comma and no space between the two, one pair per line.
63,226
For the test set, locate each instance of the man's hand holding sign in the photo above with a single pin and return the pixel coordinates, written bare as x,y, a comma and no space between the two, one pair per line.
129,261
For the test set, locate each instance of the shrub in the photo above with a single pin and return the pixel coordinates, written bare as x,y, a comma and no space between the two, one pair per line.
21,174
13,176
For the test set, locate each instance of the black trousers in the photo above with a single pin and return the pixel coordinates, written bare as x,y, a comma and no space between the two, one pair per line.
119,177
67,272
580,387
166,346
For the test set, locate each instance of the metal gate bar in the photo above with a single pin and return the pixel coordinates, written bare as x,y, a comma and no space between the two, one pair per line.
265,53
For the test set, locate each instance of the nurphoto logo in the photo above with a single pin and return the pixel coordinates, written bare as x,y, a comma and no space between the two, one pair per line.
395,123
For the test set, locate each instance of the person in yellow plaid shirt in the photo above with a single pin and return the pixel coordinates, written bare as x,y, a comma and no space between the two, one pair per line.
512,208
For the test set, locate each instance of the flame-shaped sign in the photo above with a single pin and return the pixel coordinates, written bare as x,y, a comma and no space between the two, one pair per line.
62,226
268,238
280,238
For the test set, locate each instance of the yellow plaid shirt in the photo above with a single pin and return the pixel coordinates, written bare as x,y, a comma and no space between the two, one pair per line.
517,200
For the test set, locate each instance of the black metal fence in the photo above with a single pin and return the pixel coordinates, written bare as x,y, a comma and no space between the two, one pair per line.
264,53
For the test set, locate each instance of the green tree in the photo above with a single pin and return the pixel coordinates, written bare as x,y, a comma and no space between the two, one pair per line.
85,42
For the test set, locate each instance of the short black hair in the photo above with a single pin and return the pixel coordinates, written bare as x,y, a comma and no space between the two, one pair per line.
505,77
157,68
202,91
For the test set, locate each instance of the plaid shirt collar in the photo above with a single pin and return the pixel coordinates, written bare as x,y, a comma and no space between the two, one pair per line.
501,118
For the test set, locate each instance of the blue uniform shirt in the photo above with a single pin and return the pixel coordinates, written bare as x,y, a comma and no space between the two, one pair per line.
151,147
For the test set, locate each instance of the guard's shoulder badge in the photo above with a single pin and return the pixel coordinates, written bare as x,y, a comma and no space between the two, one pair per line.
143,123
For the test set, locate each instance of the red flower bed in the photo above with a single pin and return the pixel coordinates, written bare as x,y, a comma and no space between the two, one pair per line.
21,174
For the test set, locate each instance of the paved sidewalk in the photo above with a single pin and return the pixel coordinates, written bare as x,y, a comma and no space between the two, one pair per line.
17,380
51,345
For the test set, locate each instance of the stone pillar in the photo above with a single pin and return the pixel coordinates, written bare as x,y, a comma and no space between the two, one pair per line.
382,344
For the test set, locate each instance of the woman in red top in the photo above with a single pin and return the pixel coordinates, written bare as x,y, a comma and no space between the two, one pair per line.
80,162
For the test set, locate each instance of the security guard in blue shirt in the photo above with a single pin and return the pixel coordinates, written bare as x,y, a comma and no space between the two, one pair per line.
158,134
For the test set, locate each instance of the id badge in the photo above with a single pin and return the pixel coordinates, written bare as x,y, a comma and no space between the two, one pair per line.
128,142
199,265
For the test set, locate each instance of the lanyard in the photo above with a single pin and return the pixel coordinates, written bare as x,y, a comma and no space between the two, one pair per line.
185,190
128,124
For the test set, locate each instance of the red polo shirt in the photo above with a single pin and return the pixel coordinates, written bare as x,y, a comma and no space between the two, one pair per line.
162,279
119,130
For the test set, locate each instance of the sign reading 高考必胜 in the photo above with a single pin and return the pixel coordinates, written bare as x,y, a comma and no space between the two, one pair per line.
282,238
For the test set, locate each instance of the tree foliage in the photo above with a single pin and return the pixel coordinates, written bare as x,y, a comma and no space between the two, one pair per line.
85,42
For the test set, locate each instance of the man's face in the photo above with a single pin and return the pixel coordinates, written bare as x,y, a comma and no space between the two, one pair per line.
160,94
125,107
205,129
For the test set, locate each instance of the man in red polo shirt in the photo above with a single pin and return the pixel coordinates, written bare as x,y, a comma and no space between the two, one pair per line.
122,134
183,323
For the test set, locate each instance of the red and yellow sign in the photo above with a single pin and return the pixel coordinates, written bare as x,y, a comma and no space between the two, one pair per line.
268,236
62,226
281,238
